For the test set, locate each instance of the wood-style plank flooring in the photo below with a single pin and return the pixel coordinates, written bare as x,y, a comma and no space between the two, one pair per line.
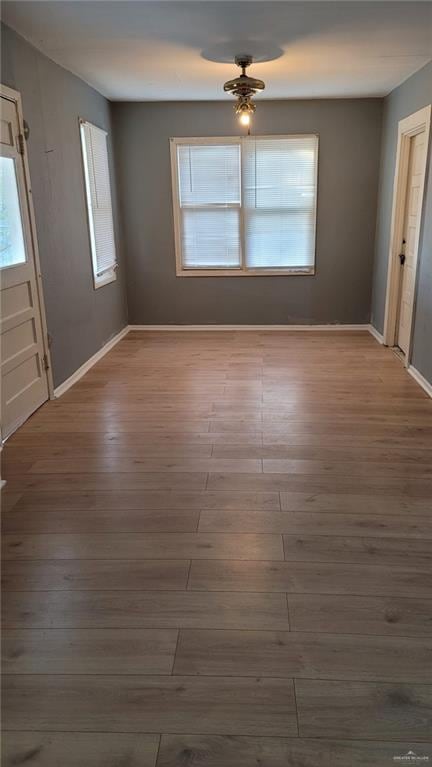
217,552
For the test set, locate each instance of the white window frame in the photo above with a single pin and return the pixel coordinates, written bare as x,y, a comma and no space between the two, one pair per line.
109,275
241,271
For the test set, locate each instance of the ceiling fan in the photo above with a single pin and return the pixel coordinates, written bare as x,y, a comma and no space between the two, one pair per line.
244,87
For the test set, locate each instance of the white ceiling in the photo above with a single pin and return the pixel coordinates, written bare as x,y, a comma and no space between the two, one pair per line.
135,50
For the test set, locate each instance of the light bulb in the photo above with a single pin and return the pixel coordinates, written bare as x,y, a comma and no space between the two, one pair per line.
245,118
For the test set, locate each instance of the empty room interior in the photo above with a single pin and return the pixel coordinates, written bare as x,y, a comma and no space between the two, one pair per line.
216,382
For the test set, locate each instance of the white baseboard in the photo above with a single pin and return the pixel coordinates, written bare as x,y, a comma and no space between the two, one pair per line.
59,390
2,481
189,328
421,380
62,388
378,337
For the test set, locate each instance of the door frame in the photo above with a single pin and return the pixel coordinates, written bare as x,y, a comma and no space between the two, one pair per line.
15,96
407,128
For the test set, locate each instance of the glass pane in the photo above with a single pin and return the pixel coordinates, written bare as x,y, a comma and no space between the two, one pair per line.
211,238
12,249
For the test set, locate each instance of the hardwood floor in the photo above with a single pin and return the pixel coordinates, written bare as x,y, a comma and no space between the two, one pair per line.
217,552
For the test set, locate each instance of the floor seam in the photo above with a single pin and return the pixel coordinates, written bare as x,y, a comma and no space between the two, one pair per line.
158,750
296,707
175,652
187,588
288,611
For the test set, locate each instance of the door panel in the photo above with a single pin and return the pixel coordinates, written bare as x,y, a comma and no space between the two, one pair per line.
411,225
23,377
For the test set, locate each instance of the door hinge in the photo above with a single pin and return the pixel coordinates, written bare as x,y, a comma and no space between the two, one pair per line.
21,143
45,362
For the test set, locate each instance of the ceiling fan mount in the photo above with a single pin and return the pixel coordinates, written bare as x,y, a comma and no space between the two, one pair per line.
244,86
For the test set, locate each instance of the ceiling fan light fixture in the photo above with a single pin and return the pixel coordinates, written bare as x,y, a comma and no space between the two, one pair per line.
244,87
244,108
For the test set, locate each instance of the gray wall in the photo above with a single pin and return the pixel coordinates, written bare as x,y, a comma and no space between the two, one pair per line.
412,95
80,319
340,291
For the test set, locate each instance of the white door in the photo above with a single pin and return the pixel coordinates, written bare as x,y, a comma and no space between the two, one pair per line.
24,384
408,255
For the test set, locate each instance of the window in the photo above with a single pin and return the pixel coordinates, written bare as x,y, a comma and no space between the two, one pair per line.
245,206
12,248
99,207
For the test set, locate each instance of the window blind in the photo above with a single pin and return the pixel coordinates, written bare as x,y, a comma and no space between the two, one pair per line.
248,205
99,206
279,182
209,200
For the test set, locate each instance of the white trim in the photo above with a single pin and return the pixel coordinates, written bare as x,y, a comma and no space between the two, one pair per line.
376,334
238,272
416,123
63,387
218,140
15,96
421,380
269,328
83,121
2,481
100,279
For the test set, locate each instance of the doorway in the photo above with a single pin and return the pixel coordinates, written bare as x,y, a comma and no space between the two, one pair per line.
25,382
411,161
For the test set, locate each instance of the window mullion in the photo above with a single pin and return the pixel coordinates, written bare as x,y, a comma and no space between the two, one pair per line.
242,218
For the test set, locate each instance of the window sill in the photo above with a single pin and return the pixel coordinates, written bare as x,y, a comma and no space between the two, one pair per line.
105,280
245,272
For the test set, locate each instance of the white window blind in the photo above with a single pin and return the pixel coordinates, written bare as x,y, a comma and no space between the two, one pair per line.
99,206
209,199
279,202
247,205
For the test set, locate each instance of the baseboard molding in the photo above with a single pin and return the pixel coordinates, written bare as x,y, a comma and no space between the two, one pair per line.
421,380
2,481
188,328
59,390
378,337
63,387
